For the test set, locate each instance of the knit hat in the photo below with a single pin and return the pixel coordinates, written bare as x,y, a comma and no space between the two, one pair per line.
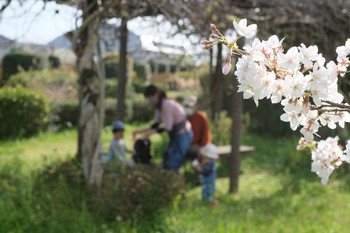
190,101
118,126
210,151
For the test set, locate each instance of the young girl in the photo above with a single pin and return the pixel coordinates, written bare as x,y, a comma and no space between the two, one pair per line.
171,117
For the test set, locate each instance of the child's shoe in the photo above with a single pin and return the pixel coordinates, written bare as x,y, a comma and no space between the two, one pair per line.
214,203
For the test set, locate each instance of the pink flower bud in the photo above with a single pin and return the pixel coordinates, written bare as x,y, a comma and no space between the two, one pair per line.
229,57
226,68
207,44
213,27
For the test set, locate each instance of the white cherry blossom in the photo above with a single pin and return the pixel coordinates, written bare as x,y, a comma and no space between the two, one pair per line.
327,157
290,60
244,30
308,55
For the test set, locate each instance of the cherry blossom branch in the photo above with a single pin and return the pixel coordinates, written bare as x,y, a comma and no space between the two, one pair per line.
299,79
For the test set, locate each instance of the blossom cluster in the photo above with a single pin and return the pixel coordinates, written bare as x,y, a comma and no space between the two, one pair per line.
299,79
327,156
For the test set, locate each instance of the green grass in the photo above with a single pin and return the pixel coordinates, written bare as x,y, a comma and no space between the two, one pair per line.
35,152
49,147
277,193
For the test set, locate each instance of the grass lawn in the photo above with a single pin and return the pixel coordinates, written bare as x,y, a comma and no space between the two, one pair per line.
277,193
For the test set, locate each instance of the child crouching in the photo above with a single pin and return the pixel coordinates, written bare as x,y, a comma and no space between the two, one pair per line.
117,146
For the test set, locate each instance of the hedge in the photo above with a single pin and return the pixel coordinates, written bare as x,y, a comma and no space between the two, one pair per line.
54,62
142,70
24,112
13,63
65,113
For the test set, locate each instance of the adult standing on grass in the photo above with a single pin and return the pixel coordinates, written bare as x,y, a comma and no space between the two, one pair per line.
199,124
170,116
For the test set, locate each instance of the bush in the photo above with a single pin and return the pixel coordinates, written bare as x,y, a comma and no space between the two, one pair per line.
111,87
64,114
23,112
111,62
140,110
140,87
142,70
265,119
54,84
15,62
221,130
158,67
111,69
137,110
70,171
136,194
54,61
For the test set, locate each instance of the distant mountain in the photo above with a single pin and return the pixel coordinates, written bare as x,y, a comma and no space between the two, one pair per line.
4,40
60,42
109,35
5,45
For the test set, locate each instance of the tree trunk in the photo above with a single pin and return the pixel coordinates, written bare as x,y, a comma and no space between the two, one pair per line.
217,86
123,76
91,96
237,108
210,62
235,161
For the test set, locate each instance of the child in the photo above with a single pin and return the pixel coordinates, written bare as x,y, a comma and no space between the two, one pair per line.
207,168
117,147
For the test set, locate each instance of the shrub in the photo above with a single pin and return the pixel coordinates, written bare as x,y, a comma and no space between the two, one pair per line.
23,112
54,84
64,114
158,67
221,130
142,70
162,68
136,194
140,110
14,62
137,110
265,119
70,171
111,86
140,87
111,62
54,61
111,69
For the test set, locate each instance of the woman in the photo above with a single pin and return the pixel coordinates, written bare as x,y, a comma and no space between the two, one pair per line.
171,117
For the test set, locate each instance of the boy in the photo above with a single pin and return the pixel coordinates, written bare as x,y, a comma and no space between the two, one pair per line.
207,168
117,147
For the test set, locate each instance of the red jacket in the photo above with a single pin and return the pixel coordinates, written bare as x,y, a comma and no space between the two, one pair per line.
200,128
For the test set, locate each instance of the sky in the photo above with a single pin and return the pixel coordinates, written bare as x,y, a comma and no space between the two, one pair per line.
38,23
31,22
